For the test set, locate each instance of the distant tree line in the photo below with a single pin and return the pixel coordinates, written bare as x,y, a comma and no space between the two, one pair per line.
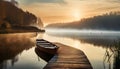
108,21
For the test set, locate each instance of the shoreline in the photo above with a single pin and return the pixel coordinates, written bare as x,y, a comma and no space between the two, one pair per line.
19,31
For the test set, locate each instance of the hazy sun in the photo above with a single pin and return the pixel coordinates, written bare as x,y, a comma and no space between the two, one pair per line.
76,15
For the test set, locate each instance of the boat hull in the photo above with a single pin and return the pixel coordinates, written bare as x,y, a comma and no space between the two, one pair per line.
45,56
46,46
47,50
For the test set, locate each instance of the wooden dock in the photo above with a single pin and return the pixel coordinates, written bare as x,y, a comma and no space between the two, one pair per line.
68,58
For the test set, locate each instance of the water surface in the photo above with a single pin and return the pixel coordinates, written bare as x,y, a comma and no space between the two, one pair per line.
18,50
102,47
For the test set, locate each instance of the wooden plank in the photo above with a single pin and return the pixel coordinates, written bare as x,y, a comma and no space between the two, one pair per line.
68,58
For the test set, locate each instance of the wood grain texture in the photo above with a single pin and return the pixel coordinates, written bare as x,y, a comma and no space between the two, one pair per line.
68,58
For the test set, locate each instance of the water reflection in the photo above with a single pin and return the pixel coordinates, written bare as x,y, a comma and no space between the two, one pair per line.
112,53
102,45
43,55
117,56
11,45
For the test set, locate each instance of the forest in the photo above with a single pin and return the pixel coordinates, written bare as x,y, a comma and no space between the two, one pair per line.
107,21
11,16
13,19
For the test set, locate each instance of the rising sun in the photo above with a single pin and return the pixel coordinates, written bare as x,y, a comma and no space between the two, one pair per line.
76,15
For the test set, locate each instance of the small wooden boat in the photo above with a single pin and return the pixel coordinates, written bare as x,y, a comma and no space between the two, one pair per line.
45,56
46,46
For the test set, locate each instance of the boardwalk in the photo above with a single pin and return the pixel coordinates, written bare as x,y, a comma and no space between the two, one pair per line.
68,58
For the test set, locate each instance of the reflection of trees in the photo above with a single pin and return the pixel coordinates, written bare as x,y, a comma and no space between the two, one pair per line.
117,56
107,58
115,53
11,46
105,43
110,43
112,47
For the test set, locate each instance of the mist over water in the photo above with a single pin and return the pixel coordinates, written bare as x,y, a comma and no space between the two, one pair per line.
81,31
100,46
17,51
22,53
85,33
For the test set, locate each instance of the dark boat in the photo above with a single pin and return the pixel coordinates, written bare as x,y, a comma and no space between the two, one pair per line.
46,46
45,56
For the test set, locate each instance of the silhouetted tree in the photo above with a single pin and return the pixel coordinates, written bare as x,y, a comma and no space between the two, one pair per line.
14,15
14,2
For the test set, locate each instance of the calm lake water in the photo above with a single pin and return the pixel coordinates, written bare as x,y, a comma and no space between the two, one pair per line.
18,51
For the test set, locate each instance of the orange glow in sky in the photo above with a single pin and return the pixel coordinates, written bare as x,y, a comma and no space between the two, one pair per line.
61,11
76,14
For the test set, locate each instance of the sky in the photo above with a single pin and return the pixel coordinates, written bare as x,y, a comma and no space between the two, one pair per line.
61,11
